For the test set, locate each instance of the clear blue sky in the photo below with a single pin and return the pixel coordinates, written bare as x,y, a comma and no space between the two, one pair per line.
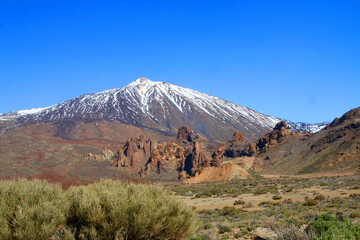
298,60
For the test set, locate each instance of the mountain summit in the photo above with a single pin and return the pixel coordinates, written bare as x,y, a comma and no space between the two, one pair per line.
153,105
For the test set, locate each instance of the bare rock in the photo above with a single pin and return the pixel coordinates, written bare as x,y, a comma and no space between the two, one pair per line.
264,234
135,150
281,130
185,134
237,137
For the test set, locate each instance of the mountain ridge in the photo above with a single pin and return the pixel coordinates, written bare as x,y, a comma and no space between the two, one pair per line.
155,105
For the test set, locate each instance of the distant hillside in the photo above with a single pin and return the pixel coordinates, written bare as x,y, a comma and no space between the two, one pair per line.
334,148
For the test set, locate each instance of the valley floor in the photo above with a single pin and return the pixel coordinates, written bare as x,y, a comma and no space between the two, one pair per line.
233,209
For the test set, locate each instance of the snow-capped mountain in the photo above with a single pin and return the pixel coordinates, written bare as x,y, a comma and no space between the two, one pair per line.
306,127
153,105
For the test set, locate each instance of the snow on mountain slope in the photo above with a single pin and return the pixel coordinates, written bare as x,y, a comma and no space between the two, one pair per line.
155,105
306,127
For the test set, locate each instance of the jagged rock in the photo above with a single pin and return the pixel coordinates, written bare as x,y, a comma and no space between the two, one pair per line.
218,156
185,134
231,148
163,155
353,114
196,159
237,137
134,151
281,130
182,175
91,157
106,154
264,234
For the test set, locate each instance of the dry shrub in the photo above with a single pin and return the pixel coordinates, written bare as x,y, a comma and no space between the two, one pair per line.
114,210
32,210
287,231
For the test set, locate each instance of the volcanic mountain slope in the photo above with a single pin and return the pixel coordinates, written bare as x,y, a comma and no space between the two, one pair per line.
336,148
151,105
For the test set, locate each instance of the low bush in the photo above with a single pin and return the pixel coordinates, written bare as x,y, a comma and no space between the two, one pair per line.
113,210
276,197
105,210
225,229
229,211
239,202
310,202
319,197
32,210
328,227
355,214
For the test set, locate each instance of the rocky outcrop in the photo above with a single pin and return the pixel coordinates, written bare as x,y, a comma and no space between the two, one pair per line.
196,159
237,137
352,115
185,156
136,150
165,157
260,233
185,134
226,171
231,148
281,130
106,155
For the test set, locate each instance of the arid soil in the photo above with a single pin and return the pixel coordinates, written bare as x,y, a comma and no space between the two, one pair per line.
296,196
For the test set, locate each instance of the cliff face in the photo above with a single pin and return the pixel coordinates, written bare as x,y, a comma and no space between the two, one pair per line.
185,156
135,151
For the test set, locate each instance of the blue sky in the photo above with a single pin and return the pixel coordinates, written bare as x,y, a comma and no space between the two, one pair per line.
298,60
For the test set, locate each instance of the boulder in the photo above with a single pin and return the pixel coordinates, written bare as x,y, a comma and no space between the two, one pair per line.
264,234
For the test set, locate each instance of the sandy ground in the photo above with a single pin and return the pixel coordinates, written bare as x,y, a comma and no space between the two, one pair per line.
310,175
296,195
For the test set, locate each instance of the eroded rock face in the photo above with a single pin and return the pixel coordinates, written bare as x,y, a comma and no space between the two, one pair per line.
185,134
231,148
165,156
237,137
135,150
353,115
187,156
196,160
281,130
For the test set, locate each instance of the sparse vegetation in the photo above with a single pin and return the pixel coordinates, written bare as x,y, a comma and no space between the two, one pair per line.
114,210
288,216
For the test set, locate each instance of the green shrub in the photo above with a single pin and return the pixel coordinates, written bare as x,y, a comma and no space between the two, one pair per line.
310,202
239,202
229,211
328,227
31,209
319,197
225,229
114,210
204,194
276,197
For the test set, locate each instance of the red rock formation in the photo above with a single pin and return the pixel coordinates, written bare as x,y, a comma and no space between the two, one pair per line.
185,134
237,137
196,159
281,130
135,151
